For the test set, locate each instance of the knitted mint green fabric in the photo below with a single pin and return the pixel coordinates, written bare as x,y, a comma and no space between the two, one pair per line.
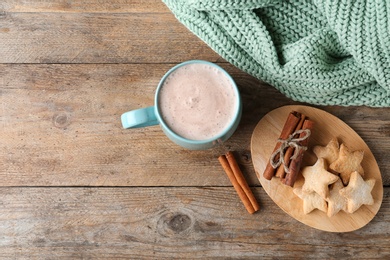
324,52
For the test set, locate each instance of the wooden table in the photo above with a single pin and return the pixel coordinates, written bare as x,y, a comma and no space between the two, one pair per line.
74,184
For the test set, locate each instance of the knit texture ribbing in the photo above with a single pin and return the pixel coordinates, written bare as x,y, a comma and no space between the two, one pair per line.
324,52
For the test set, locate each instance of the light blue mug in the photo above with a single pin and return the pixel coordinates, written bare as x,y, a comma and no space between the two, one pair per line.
150,116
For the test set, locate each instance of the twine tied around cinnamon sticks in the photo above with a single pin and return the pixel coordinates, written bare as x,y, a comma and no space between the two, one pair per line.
294,138
278,157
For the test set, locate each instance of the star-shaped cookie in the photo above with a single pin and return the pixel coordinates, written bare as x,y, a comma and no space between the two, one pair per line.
311,201
318,179
330,152
336,202
358,192
348,162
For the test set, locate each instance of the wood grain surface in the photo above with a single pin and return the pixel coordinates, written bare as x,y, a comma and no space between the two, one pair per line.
75,185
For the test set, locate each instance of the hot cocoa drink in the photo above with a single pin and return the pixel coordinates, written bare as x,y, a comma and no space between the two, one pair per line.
198,101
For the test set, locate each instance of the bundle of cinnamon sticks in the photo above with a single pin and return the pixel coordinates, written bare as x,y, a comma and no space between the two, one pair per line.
291,145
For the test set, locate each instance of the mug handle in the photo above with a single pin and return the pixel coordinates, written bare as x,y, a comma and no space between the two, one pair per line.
139,118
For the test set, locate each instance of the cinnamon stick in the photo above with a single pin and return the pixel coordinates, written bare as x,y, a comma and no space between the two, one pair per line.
288,128
241,180
239,183
280,172
295,164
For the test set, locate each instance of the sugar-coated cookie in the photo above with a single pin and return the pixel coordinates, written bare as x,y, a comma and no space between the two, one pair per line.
336,201
358,192
311,201
330,152
318,179
348,162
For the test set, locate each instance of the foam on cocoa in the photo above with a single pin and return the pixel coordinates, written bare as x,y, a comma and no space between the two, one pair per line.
197,101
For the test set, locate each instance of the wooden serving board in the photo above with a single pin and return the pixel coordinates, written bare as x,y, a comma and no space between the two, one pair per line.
327,126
